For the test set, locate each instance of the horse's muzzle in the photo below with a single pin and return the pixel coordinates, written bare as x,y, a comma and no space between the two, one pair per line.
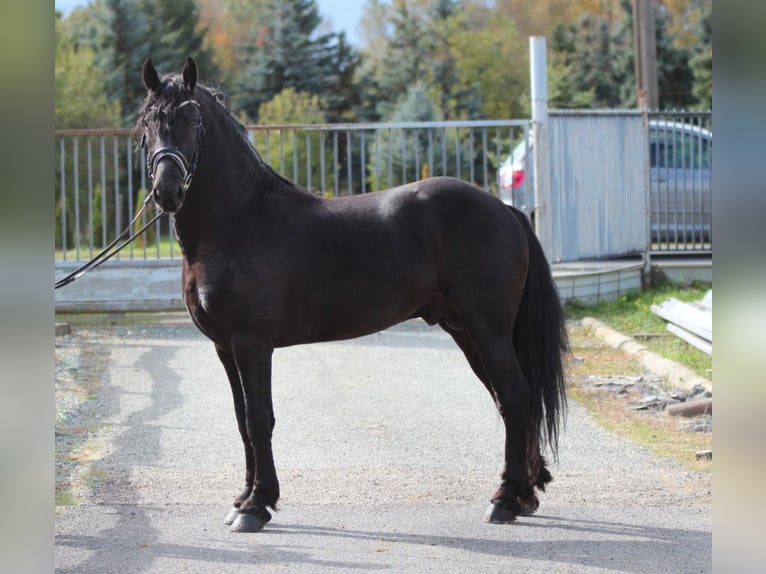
169,189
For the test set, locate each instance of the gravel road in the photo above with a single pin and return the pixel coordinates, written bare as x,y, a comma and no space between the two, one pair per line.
387,449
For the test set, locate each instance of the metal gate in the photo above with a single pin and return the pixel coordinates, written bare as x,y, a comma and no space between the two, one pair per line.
598,181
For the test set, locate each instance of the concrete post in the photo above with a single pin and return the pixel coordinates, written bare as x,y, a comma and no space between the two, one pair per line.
541,142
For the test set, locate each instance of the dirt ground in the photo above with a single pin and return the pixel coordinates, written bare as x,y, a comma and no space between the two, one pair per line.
627,399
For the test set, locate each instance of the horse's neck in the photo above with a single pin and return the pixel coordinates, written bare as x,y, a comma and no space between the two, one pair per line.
224,204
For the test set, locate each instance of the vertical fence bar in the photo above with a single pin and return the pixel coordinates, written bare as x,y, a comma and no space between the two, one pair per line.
698,164
323,170
431,152
416,141
89,151
129,167
484,157
363,169
76,195
682,152
376,176
498,156
457,153
104,195
348,163
62,154
157,226
308,160
116,165
390,156
336,183
404,156
144,195
295,155
171,239
472,176
444,151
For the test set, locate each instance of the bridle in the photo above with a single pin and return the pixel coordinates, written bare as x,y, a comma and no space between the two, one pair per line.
187,167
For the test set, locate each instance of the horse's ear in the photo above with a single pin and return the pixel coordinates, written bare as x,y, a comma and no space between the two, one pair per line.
190,74
151,77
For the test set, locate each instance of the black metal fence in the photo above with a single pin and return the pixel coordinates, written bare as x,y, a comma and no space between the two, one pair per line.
680,181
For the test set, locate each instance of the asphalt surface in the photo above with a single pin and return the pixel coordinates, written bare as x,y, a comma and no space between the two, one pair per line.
387,449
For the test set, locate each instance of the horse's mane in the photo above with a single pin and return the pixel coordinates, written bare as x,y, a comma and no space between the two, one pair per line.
173,93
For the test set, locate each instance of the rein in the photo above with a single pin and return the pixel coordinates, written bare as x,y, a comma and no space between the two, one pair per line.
109,251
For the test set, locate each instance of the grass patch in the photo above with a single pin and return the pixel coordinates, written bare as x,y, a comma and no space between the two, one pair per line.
167,247
65,496
631,315
662,434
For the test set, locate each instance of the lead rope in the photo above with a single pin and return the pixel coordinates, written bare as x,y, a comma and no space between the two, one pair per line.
106,254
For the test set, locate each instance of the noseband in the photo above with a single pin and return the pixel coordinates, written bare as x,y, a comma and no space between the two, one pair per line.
175,154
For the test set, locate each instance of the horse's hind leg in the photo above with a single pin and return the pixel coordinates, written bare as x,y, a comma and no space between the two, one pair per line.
472,356
537,473
515,495
493,342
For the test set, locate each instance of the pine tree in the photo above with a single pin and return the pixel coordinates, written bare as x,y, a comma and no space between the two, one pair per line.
455,101
123,33
172,34
675,78
584,50
343,97
601,61
702,64
284,52
405,58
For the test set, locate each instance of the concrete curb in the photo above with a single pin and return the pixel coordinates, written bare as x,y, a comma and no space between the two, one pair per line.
674,373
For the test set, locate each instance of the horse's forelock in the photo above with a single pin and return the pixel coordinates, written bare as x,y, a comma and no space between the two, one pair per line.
171,94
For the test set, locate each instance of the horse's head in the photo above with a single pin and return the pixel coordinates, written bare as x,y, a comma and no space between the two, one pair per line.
170,125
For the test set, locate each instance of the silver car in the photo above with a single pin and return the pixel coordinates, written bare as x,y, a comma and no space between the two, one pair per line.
680,172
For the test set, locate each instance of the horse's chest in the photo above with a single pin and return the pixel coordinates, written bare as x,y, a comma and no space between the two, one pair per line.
224,303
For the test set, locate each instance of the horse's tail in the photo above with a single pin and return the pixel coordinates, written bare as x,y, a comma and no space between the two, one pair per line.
540,341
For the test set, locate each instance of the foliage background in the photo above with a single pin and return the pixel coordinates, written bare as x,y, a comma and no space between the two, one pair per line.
446,59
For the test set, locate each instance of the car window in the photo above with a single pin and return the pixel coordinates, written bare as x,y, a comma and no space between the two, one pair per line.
677,149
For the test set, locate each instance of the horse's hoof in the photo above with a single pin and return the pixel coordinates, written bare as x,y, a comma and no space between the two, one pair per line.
498,515
248,522
231,517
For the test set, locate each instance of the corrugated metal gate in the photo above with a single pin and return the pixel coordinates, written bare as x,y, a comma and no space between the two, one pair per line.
599,169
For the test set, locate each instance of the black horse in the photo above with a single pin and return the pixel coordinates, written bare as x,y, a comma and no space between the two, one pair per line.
267,264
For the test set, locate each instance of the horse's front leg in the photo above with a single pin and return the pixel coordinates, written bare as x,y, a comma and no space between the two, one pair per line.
253,365
227,359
